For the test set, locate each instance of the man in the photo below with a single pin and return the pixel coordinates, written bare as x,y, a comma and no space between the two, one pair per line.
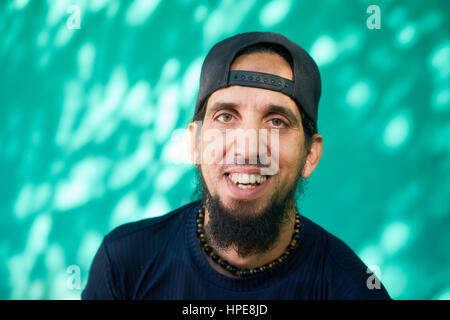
254,141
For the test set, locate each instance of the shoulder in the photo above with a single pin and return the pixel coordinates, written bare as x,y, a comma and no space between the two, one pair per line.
345,274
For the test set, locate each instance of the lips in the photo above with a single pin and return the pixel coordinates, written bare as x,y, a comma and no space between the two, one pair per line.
246,181
242,188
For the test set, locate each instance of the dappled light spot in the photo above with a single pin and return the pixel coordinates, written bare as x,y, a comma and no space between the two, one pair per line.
32,199
176,151
97,5
168,178
19,4
359,95
441,100
397,131
83,184
407,35
274,12
395,236
439,60
39,232
324,50
140,11
63,36
220,22
190,83
156,206
200,13
86,59
126,210
54,257
167,113
127,169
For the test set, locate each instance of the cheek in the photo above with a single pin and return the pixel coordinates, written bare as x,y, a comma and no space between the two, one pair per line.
212,146
290,157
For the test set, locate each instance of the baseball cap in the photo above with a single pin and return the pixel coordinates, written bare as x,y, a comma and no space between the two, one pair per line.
304,89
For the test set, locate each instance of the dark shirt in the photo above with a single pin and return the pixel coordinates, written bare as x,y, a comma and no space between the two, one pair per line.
160,258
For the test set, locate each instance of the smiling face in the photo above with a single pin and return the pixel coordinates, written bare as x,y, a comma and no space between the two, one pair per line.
249,110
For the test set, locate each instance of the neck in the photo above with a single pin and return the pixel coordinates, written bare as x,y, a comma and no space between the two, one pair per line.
254,260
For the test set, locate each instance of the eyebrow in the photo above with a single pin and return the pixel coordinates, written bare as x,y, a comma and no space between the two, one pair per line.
288,113
221,106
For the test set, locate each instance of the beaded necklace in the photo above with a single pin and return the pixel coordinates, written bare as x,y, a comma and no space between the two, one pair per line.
245,272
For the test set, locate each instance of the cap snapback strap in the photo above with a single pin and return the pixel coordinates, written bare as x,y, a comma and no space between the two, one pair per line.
261,80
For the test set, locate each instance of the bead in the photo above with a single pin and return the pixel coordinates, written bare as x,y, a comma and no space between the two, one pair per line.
202,240
199,225
200,230
297,236
232,270
265,267
245,272
201,235
283,257
224,263
256,271
215,257
201,215
199,221
275,262
270,265
291,248
207,249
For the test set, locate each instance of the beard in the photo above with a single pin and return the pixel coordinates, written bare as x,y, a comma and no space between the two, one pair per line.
243,229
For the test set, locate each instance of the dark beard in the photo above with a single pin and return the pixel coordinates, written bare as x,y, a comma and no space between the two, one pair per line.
248,233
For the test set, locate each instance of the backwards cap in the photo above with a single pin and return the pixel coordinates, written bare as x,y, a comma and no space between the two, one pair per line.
304,89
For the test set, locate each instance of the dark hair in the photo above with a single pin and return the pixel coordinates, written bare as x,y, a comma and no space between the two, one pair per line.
309,129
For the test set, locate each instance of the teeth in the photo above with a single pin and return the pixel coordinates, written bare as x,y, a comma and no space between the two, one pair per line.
243,180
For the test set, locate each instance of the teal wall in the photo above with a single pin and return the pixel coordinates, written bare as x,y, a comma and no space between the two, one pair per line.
92,120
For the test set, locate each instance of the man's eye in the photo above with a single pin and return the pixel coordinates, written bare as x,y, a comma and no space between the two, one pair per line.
278,122
225,117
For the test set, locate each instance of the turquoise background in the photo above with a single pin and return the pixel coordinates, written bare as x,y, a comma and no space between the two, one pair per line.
92,123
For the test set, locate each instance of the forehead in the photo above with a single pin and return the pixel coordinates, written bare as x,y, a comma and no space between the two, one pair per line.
263,62
257,97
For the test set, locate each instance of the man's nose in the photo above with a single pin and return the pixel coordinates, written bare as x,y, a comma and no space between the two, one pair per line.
243,143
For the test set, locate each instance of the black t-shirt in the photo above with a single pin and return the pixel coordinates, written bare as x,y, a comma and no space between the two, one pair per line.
160,258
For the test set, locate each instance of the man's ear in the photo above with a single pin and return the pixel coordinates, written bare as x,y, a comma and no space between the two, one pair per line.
314,155
193,141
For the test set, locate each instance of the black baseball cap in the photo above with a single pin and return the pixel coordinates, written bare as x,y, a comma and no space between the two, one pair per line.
304,89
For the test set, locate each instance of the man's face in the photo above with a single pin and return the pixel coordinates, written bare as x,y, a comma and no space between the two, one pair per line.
252,109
